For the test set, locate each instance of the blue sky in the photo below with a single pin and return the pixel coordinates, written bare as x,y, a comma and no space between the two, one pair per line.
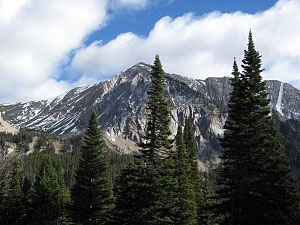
142,21
48,47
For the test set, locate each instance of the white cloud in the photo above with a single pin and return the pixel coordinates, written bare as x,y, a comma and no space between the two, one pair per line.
130,4
36,37
204,46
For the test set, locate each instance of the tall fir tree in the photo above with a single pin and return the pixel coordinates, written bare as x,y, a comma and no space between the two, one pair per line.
194,173
255,182
92,196
153,176
50,195
157,153
234,169
187,208
204,191
157,141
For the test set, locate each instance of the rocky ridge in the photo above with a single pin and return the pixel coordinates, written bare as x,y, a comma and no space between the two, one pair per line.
121,106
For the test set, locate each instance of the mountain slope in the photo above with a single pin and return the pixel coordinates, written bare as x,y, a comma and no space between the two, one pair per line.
121,106
7,127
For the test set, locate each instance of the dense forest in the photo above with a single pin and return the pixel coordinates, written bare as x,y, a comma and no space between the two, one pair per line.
84,179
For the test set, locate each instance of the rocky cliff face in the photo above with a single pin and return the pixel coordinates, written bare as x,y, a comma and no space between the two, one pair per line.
121,106
7,127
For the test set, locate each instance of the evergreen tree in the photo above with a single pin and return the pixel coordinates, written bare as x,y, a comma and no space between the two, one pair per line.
187,213
136,196
50,195
153,174
92,195
189,141
15,210
157,153
63,196
255,184
169,190
157,141
194,173
204,191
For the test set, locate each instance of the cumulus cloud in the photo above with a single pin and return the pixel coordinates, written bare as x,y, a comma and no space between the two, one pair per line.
36,38
204,46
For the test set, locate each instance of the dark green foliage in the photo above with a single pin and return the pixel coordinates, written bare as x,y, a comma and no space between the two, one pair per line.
157,142
27,200
14,208
68,161
291,132
92,197
69,157
118,161
187,208
50,195
156,153
207,201
202,186
189,141
64,163
5,172
194,172
169,190
63,196
255,184
137,196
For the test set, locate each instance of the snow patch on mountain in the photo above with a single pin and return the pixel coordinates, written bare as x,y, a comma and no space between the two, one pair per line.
279,101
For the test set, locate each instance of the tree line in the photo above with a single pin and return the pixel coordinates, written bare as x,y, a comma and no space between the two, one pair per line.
163,184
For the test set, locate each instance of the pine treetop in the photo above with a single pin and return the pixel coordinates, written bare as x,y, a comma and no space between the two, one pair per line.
189,140
92,196
158,128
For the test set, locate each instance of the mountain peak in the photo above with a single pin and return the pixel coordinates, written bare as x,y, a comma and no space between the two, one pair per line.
142,65
139,69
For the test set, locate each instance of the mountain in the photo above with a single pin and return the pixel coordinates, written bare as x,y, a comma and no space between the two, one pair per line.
121,106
